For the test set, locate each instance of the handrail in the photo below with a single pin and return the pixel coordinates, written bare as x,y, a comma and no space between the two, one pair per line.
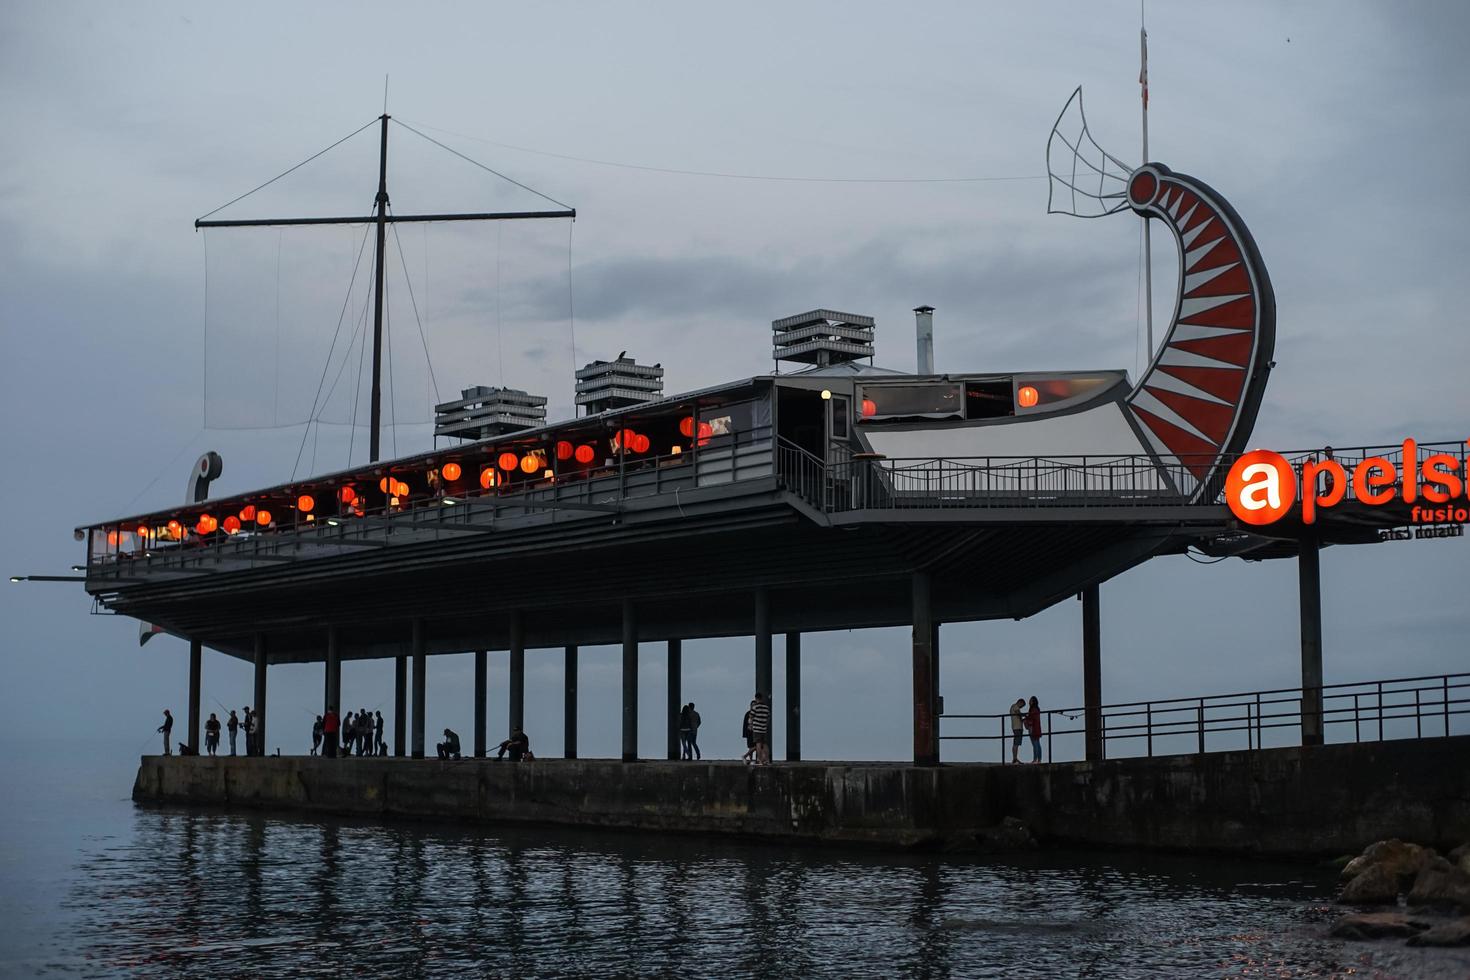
1357,703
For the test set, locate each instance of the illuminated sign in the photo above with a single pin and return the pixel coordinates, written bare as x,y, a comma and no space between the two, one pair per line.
1262,486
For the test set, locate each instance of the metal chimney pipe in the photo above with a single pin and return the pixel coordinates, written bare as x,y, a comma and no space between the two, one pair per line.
924,324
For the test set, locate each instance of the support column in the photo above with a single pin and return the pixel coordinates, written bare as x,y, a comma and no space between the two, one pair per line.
517,692
763,641
793,697
937,703
569,704
630,681
260,716
1309,581
196,659
400,705
1092,675
332,697
926,750
675,695
420,666
480,684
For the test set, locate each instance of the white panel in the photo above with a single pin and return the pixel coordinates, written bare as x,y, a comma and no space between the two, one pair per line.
1096,432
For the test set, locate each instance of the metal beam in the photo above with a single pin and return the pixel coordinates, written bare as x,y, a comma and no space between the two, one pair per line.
763,680
630,681
400,705
333,696
675,698
367,219
569,704
420,684
793,697
481,681
517,687
1096,750
196,656
1309,584
259,706
926,746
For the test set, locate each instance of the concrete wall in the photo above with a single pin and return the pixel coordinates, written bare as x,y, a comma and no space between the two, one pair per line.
1325,800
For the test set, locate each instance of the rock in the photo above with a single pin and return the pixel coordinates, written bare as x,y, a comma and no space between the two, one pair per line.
1441,885
1461,856
1403,861
1377,925
1456,932
1374,886
1008,835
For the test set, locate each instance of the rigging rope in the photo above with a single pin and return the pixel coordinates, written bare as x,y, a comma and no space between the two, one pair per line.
356,390
424,340
499,338
388,340
204,384
290,170
730,176
571,310
345,300
482,166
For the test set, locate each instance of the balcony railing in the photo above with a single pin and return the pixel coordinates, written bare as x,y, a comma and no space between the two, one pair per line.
1405,707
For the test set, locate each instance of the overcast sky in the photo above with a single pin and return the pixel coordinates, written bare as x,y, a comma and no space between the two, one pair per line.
1338,131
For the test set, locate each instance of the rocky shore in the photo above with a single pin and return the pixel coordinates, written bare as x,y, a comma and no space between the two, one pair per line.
1413,893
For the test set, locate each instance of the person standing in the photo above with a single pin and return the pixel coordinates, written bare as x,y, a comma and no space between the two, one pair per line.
347,734
689,732
316,734
379,746
211,734
330,726
760,728
250,748
1033,728
748,735
1018,726
365,732
234,726
167,729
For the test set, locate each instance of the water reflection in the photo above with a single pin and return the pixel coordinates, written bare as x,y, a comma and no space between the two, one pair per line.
205,894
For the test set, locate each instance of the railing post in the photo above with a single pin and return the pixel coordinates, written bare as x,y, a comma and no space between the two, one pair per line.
1048,737
1418,723
1357,729
1380,711
1250,742
1200,718
1446,681
1148,716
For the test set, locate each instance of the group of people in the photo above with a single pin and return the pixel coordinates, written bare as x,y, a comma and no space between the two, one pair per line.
756,727
359,733
1026,719
518,746
253,743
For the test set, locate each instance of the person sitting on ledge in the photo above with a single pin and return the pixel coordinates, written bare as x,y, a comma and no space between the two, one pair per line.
449,748
518,745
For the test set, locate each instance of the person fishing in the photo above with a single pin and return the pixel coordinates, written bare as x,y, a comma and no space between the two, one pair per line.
167,729
233,724
518,745
449,748
331,724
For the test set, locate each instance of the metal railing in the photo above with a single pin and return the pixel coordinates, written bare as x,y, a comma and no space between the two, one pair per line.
1405,707
1041,481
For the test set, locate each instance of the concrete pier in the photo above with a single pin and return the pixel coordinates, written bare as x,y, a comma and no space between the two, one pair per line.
1323,800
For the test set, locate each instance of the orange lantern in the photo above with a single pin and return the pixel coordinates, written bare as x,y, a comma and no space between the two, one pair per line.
247,513
585,454
640,443
383,485
112,539
400,489
530,463
207,524
705,431
347,495
488,478
870,408
305,503
1027,397
231,524
451,472
563,450
686,427
174,527
508,461
142,530
263,517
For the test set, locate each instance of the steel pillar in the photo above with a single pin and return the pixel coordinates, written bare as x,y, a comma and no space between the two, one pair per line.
400,705
420,667
569,704
1309,581
936,701
480,685
517,691
763,641
926,746
793,697
630,681
675,695
332,696
196,664
260,717
1092,675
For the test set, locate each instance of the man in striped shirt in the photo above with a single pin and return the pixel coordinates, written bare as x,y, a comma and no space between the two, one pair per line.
760,728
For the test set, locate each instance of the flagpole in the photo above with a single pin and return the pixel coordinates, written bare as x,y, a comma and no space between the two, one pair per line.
1148,252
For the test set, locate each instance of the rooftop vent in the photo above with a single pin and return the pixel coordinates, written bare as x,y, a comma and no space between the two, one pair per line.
482,413
822,337
604,385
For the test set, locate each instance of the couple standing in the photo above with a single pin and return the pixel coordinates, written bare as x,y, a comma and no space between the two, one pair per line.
1026,718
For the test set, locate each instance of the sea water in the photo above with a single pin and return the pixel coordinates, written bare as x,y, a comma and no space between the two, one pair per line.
91,885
